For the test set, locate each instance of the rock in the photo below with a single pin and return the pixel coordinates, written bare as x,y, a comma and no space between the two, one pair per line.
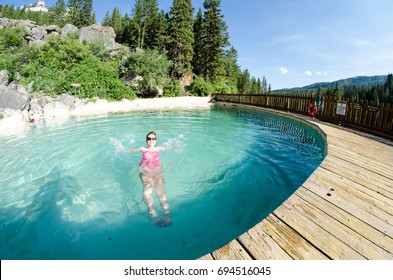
43,100
12,85
22,90
39,7
17,76
69,29
11,98
38,33
14,122
3,77
96,32
66,99
38,43
53,28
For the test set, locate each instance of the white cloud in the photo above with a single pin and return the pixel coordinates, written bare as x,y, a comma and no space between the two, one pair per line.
325,74
318,73
283,70
307,73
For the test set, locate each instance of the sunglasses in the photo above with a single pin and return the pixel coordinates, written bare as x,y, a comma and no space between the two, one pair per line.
151,138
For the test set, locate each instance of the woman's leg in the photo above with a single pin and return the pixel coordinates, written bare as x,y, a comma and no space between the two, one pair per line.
147,193
161,193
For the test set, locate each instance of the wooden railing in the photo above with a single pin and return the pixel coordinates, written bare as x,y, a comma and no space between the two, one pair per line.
363,115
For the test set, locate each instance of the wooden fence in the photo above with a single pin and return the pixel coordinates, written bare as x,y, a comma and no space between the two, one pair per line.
363,115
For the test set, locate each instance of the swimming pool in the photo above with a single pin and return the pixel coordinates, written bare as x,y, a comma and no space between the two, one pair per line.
69,191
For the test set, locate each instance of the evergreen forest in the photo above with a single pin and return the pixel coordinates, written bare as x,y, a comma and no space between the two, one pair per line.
164,47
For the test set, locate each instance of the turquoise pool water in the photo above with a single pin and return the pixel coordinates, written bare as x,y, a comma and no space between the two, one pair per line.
68,191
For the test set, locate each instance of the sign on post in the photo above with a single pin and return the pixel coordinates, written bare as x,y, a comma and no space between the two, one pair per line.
341,108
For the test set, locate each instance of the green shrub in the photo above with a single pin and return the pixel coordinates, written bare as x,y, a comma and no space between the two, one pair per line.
201,87
12,37
151,65
173,88
222,86
99,79
60,54
101,49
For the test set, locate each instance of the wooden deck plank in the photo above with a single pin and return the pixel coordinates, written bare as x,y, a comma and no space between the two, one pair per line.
341,231
359,226
342,200
366,195
231,251
362,145
207,257
349,135
260,246
316,234
375,182
360,158
288,239
377,167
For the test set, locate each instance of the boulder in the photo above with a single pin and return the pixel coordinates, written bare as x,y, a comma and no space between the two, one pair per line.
11,98
96,32
22,89
38,33
38,43
67,100
43,100
69,29
53,28
3,77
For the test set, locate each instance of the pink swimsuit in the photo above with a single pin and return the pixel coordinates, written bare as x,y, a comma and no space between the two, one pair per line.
150,160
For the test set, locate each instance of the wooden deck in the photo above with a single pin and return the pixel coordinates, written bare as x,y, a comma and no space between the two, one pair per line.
344,211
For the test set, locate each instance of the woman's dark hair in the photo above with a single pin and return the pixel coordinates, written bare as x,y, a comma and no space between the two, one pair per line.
151,132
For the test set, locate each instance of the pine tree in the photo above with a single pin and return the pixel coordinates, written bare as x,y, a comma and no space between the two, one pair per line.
259,86
197,60
138,25
254,87
215,39
388,89
162,33
264,85
81,12
58,13
74,13
145,22
117,22
152,24
181,37
232,68
244,82
126,36
107,20
337,92
86,13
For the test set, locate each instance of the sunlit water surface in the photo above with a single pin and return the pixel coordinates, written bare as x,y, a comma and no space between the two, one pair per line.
69,191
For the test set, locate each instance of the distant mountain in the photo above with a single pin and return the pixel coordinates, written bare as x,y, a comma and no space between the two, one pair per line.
355,81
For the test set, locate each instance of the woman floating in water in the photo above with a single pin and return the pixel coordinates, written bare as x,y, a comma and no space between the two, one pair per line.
151,174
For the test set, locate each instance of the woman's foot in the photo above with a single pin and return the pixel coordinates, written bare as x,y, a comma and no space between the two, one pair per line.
153,213
166,221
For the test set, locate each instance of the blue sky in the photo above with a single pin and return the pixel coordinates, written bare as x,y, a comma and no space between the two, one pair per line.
298,42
